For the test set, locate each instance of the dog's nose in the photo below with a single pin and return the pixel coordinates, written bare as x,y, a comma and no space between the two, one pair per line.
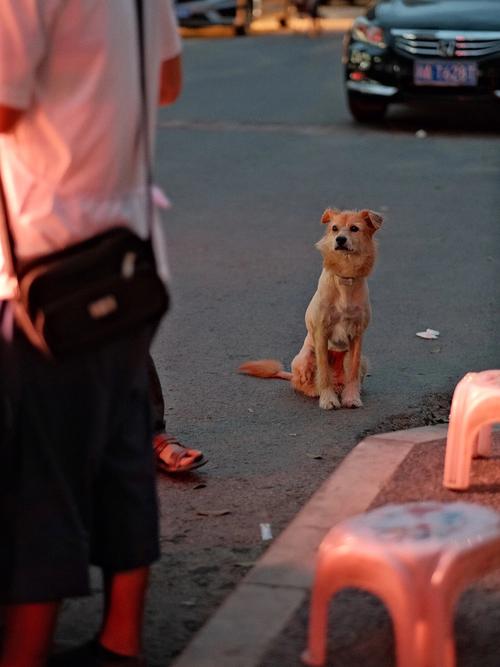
341,240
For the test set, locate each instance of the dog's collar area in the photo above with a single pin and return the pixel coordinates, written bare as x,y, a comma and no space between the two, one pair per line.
346,281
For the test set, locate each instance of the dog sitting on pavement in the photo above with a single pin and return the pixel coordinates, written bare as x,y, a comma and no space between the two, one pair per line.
330,364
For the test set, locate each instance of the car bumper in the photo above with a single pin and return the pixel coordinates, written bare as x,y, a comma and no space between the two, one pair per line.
387,74
374,88
371,87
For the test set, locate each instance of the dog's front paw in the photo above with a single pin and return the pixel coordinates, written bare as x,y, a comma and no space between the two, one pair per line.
351,397
328,399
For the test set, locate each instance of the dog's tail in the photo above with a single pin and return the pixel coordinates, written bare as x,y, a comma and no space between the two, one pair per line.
265,368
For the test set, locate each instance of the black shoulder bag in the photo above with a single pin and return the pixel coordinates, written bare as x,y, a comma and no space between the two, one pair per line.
94,291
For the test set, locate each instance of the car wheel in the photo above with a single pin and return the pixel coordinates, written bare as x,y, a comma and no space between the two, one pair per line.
246,11
366,108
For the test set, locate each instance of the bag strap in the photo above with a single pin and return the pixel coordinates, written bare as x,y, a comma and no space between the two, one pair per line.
6,236
144,125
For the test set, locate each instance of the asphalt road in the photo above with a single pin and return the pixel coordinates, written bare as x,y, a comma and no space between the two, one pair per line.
258,146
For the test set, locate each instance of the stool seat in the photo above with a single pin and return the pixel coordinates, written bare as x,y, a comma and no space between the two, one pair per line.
474,408
416,557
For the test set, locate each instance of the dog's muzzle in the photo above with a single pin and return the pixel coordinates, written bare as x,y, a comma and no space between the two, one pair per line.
341,244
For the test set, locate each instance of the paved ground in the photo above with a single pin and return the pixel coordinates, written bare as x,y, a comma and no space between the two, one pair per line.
258,145
263,623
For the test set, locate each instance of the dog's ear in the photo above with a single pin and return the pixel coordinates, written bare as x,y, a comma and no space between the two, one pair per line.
373,220
328,214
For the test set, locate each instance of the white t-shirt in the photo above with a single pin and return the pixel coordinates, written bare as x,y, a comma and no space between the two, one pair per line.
71,166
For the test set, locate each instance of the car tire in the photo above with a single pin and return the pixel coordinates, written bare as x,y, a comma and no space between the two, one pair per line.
366,108
241,30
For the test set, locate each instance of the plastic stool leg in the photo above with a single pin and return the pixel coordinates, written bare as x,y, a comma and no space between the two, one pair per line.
457,461
458,457
442,632
459,447
445,654
315,654
409,653
482,446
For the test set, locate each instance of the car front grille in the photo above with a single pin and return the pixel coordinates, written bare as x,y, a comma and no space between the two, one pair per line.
446,43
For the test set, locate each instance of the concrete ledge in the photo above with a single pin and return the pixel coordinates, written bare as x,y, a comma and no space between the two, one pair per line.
416,435
257,611
241,629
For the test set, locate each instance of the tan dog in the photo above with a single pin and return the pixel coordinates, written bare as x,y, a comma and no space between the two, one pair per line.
330,364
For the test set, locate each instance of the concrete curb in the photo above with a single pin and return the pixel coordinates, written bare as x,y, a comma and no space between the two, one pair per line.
258,610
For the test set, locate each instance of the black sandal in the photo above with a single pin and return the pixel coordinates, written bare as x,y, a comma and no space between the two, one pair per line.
173,466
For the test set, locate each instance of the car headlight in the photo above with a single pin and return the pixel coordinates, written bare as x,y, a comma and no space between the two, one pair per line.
364,31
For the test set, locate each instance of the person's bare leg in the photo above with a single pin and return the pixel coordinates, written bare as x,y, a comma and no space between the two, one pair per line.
29,629
125,594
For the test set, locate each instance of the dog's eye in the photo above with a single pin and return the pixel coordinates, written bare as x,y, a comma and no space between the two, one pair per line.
335,228
354,228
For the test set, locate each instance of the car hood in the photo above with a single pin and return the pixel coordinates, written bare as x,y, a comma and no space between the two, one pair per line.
437,14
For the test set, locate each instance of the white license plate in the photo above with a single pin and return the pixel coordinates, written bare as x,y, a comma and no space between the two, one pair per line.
446,73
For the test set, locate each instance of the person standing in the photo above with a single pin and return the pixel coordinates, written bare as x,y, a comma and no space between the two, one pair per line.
76,467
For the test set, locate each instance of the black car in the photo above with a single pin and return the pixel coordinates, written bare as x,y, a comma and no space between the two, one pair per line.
407,50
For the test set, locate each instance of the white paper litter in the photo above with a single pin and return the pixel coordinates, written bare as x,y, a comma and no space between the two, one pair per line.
421,134
266,532
429,334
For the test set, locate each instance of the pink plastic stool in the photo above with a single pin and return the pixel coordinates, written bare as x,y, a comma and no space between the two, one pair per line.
416,558
474,408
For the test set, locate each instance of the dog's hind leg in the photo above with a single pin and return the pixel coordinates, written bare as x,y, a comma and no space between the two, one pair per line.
304,369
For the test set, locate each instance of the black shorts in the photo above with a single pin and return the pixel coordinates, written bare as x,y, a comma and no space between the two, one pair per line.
77,479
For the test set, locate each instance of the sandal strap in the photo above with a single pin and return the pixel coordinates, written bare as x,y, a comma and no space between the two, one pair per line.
163,440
